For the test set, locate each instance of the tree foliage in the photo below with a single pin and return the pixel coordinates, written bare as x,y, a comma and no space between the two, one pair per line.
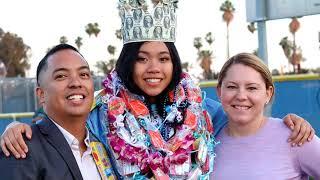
111,50
14,54
92,28
118,34
228,10
205,55
185,66
292,53
63,40
78,42
105,67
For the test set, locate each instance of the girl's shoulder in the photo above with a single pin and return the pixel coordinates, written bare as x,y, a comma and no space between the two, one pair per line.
98,98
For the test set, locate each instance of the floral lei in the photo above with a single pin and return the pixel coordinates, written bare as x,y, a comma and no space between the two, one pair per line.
135,141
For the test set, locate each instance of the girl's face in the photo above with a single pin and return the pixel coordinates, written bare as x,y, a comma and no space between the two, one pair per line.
243,94
153,69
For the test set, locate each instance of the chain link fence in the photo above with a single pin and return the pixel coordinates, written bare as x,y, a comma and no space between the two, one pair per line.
18,94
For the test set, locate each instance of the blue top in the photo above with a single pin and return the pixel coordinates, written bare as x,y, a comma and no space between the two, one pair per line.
219,117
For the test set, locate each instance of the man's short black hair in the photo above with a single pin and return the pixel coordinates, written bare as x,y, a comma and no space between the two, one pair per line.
43,64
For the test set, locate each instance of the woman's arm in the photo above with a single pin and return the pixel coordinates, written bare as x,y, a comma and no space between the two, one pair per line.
12,140
309,158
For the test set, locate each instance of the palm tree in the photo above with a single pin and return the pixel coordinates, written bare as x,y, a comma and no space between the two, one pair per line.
205,56
63,40
111,50
102,67
292,53
105,67
228,10
252,27
92,28
89,28
78,42
118,34
185,66
286,45
296,58
96,29
197,43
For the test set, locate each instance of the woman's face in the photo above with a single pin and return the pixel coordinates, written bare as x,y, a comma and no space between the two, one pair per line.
153,69
243,94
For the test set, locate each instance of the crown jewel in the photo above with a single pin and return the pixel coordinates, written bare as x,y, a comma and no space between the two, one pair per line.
148,20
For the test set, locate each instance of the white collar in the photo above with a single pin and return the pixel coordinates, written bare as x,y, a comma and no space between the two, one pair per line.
72,141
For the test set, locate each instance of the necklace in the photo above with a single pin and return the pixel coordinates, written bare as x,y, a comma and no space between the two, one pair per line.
158,121
135,137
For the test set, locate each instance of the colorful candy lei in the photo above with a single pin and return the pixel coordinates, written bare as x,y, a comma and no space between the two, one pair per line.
137,143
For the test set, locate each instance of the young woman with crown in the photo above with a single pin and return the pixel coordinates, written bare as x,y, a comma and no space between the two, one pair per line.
155,123
149,115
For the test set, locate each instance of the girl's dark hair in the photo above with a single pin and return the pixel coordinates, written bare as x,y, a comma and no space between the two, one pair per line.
129,55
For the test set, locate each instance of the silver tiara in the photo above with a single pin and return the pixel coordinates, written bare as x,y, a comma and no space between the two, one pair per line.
148,20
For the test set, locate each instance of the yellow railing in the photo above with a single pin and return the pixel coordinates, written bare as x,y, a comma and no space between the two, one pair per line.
14,116
298,77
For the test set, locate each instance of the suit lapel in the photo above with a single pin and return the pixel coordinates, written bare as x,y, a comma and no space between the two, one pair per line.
57,140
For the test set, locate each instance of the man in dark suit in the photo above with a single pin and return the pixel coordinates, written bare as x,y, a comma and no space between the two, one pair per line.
49,157
60,147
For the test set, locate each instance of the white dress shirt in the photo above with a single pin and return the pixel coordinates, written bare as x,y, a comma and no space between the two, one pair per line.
86,163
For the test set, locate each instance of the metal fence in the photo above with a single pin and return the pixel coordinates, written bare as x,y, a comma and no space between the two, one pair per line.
294,94
18,94
7,118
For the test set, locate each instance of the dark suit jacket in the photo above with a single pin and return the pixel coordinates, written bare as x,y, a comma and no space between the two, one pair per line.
49,157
